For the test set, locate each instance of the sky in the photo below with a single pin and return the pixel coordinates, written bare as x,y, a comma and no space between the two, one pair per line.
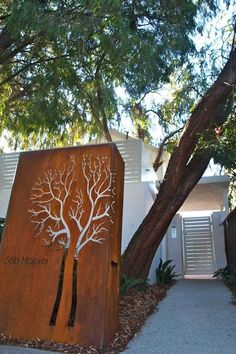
211,35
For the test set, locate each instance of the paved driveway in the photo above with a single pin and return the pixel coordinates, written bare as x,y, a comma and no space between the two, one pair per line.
196,317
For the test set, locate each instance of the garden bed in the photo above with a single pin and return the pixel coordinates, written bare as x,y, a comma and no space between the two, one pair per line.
134,309
232,288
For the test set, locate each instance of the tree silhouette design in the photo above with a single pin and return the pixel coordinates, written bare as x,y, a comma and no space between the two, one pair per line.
72,216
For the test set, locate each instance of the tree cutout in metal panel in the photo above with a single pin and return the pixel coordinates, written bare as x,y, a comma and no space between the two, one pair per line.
59,210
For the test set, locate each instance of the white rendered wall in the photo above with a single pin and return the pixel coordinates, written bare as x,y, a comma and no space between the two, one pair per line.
209,196
137,202
4,200
155,262
8,165
138,199
219,242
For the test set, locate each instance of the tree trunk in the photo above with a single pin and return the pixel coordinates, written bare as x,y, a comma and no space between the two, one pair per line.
6,54
5,40
185,168
64,308
103,113
142,248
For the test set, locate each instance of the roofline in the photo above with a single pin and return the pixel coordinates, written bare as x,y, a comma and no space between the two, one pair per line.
224,179
215,179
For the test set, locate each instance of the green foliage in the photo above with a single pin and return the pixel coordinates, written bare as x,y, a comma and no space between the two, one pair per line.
175,109
227,274
223,146
165,273
188,84
65,59
222,272
127,283
232,277
224,149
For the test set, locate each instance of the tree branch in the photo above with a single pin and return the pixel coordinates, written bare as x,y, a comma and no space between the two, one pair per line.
10,77
9,55
5,40
202,116
157,163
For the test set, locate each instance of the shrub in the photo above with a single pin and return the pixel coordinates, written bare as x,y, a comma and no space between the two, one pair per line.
222,272
165,273
126,283
227,274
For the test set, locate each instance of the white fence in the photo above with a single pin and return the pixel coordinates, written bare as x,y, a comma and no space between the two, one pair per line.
138,168
8,165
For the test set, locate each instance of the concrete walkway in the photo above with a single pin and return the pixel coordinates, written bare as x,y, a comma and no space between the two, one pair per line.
196,317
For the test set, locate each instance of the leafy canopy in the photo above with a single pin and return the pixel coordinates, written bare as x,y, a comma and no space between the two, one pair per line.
61,61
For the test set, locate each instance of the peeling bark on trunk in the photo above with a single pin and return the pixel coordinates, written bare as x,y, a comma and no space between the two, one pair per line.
185,168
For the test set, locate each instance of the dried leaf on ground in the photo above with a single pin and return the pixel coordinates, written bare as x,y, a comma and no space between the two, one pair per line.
134,309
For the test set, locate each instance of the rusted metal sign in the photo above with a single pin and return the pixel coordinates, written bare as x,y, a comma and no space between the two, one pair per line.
60,253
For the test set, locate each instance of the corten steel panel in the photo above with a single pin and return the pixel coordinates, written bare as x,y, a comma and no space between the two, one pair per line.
60,253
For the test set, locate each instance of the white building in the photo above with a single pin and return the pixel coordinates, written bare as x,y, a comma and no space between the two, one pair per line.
194,240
